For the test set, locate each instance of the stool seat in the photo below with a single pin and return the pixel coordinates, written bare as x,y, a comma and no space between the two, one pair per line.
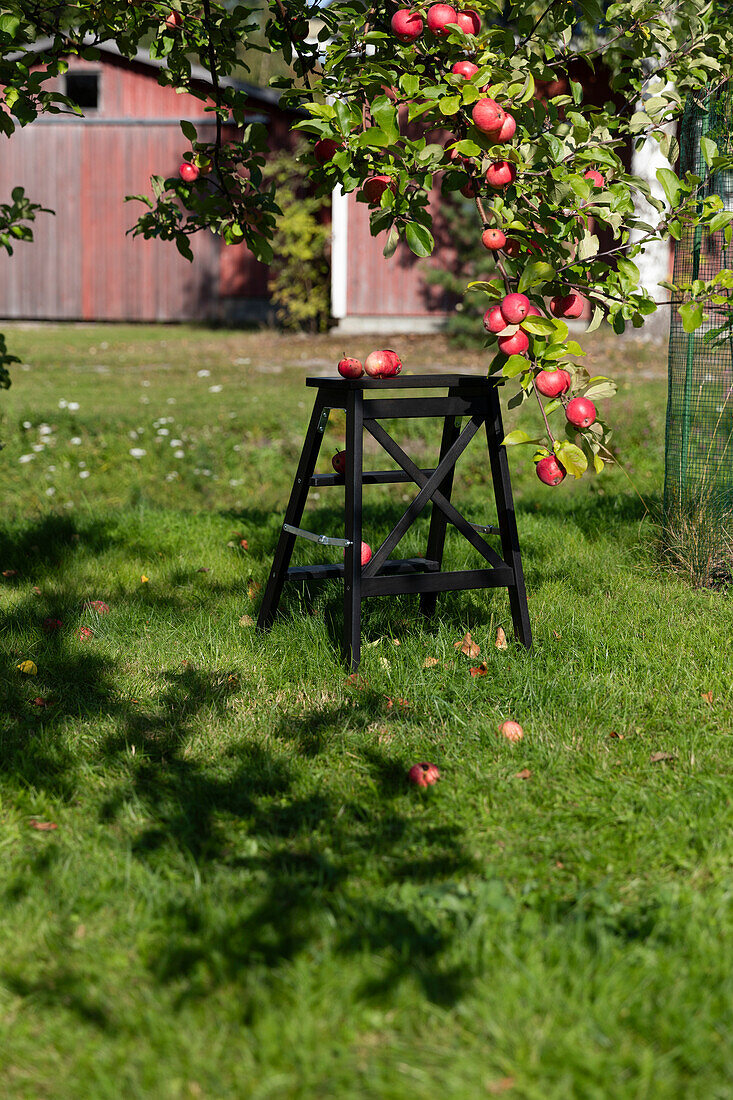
474,397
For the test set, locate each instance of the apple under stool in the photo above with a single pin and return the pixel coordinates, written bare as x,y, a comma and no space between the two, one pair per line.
367,402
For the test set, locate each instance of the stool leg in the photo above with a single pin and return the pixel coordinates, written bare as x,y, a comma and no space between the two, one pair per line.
352,517
293,514
438,521
507,519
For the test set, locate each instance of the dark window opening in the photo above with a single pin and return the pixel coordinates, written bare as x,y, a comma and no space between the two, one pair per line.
83,89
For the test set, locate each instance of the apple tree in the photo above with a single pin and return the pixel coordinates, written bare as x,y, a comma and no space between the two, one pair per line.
397,100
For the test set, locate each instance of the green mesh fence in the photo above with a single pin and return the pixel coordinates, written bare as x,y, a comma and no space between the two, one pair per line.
698,491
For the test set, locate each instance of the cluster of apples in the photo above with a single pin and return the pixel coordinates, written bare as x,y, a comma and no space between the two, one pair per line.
408,24
378,364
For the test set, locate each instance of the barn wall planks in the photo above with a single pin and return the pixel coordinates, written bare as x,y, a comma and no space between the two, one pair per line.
83,265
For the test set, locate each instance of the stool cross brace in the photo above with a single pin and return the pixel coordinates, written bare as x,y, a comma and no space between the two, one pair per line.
476,398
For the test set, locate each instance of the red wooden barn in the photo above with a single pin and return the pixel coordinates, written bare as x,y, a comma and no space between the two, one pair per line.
82,265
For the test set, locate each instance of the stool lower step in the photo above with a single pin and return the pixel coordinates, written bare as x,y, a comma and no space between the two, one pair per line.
368,477
393,567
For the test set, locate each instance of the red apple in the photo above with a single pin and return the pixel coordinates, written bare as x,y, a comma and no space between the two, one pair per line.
469,21
458,158
99,606
50,625
439,16
513,247
469,189
382,364
494,320
466,69
507,131
511,730
407,25
366,553
188,172
375,186
515,308
581,412
173,20
339,462
500,174
533,312
350,368
325,149
423,775
551,383
488,116
493,239
84,633
514,345
550,471
595,177
567,305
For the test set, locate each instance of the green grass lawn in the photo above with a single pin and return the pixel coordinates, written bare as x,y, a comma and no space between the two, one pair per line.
241,897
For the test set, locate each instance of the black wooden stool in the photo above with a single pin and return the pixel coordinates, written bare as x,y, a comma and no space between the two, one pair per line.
468,396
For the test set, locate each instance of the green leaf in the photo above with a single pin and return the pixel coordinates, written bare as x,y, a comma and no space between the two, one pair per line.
588,246
449,104
538,326
409,84
572,458
535,274
419,239
597,390
189,130
709,150
393,239
514,365
372,138
670,185
598,463
513,439
384,114
692,315
595,319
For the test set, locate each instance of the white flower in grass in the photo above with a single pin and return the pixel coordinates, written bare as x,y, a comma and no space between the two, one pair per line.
82,465
26,458
179,454
215,389
203,373
132,435
63,403
51,470
145,383
137,452
176,442
44,429
163,431
75,441
172,475
84,473
144,400
27,424
170,401
73,406
50,491
38,447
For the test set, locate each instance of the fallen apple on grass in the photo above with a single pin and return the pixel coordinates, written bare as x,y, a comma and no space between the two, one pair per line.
511,730
423,775
383,364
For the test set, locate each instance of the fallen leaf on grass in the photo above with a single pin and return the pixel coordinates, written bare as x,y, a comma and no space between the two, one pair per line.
495,1088
430,662
467,646
10,573
43,826
401,703
524,774
614,735
500,642
36,590
203,569
232,681
480,670
385,664
39,701
144,579
253,588
396,641
246,620
658,757
28,668
707,696
357,681
244,544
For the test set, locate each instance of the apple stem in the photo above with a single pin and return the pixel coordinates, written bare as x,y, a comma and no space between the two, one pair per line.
544,414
